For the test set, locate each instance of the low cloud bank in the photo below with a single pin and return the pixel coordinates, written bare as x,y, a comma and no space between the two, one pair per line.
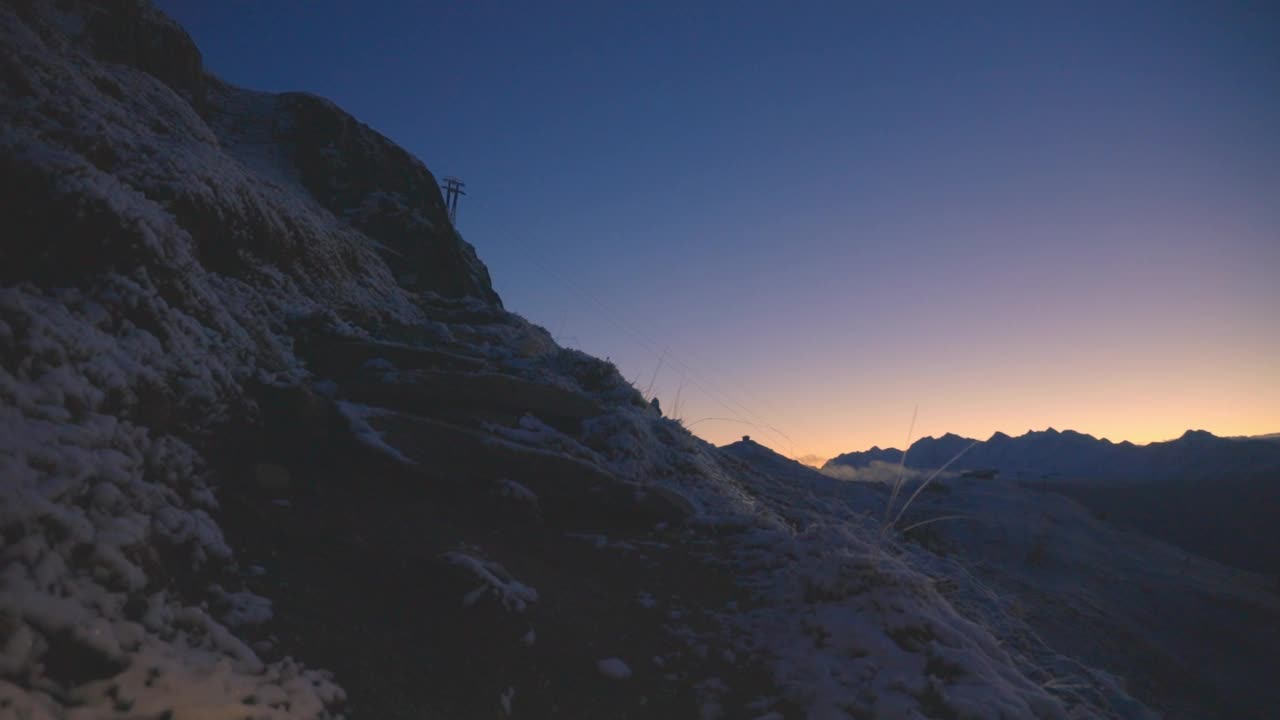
878,472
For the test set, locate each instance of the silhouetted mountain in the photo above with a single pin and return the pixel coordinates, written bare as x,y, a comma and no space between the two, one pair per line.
1050,454
1211,495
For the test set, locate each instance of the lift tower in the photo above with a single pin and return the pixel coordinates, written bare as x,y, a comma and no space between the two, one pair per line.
453,187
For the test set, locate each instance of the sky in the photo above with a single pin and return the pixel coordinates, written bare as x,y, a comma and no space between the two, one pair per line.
807,221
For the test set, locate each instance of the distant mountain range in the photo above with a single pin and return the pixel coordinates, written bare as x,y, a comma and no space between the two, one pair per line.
1069,455
1215,496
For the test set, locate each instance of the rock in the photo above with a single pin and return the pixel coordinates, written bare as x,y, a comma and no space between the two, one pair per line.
133,32
384,192
431,391
295,417
572,493
338,356
665,504
271,478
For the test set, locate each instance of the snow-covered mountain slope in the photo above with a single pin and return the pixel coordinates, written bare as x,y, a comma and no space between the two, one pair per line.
1191,637
1194,638
261,413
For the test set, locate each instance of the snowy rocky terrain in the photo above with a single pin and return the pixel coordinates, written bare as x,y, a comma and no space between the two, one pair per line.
271,447
1195,637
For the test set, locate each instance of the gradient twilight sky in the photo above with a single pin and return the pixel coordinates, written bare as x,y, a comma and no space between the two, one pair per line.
1013,215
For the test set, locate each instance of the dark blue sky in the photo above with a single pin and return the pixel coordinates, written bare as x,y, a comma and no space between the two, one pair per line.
1013,214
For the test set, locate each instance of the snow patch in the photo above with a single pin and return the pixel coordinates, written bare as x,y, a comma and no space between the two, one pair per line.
357,417
614,668
513,594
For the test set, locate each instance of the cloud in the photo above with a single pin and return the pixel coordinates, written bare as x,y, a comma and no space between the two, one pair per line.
811,460
878,472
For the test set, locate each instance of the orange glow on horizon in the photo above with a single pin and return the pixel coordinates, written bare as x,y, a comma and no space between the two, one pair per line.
836,433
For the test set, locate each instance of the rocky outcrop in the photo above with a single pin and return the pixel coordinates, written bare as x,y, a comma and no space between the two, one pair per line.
334,191
134,33
383,191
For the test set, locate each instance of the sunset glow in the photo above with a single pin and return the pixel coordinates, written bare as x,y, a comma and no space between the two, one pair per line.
1012,219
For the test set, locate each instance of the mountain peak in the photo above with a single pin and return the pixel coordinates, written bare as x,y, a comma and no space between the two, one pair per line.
1198,433
1196,436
